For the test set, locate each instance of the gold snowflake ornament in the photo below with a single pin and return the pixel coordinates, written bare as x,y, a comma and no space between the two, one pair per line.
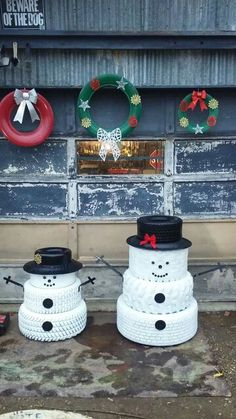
184,122
213,104
38,258
135,100
86,122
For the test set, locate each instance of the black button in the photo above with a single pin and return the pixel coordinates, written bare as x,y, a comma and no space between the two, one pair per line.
160,325
47,303
159,298
47,326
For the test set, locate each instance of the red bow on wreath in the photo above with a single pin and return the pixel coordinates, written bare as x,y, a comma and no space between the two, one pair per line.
198,96
149,239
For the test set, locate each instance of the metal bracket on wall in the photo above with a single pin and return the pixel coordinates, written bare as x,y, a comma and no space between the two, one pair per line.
119,41
4,59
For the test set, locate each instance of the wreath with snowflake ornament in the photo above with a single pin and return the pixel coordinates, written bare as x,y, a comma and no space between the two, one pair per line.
110,140
206,102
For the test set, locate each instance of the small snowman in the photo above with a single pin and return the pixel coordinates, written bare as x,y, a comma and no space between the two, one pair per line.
53,308
157,305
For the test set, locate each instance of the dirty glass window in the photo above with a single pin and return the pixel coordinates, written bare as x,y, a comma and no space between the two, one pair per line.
137,158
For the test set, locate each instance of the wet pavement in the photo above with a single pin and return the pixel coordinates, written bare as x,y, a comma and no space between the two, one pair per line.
220,329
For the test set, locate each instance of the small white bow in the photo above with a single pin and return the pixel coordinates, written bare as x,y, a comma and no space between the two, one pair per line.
25,99
109,142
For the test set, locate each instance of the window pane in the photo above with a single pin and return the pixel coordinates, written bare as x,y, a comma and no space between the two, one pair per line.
137,157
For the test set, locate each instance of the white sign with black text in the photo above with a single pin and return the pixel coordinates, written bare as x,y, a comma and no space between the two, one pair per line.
24,14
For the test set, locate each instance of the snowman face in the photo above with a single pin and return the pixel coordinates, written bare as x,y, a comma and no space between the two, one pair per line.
53,281
158,265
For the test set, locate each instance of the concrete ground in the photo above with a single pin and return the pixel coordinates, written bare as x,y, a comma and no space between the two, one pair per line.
220,328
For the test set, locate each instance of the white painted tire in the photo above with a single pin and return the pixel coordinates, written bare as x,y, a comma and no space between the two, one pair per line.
173,296
158,265
58,300
43,414
64,325
142,327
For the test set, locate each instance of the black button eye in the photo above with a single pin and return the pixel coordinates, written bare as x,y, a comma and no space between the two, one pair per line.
153,262
44,277
167,263
54,277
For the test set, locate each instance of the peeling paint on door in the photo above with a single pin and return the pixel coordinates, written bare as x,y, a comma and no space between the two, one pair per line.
196,198
111,199
29,200
205,156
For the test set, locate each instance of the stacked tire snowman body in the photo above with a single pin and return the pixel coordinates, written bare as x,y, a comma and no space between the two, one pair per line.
157,305
53,308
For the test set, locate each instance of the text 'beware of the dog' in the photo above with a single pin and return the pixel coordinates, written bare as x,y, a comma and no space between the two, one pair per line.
27,14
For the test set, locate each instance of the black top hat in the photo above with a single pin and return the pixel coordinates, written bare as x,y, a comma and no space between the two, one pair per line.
159,232
52,260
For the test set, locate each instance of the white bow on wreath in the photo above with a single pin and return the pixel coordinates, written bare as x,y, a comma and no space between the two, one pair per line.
25,99
109,142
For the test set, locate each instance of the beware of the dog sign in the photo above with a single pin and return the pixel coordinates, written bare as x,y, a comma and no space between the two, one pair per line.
25,14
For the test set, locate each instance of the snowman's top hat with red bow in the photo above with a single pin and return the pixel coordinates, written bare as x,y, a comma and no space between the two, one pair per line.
159,232
52,260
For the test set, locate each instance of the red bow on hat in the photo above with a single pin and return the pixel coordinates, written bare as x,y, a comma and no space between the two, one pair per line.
149,239
198,96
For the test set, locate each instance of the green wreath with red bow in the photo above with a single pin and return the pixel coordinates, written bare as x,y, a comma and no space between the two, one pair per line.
206,102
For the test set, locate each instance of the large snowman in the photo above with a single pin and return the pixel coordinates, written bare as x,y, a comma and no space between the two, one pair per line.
53,308
157,305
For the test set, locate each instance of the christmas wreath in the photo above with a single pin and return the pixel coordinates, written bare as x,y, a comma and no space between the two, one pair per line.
206,102
33,102
109,139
